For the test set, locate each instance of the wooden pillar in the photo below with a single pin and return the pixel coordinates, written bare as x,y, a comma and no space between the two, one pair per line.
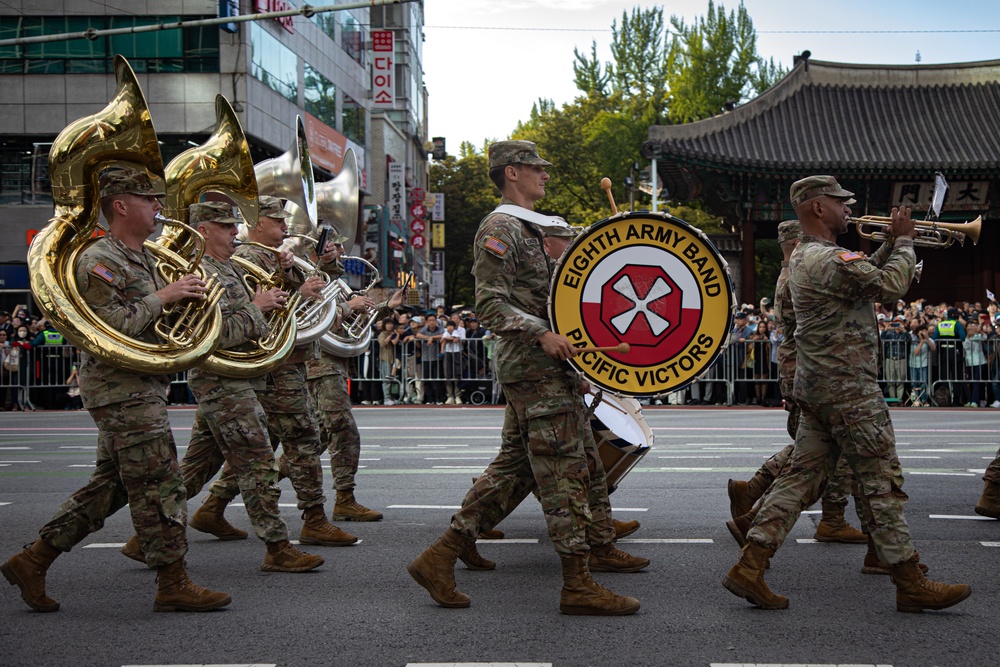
748,286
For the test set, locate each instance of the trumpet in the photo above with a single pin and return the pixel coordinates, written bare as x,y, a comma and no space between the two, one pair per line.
930,234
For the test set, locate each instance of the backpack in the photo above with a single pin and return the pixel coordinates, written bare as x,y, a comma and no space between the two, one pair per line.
13,361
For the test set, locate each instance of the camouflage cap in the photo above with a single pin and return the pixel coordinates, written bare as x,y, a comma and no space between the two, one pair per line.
565,229
128,181
335,235
271,207
214,211
789,230
503,153
817,186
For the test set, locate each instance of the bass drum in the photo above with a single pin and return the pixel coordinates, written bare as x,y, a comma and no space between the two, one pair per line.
650,280
622,434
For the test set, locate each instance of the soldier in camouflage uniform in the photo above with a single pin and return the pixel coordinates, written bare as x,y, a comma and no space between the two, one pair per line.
136,456
230,425
286,403
843,411
327,377
742,495
545,427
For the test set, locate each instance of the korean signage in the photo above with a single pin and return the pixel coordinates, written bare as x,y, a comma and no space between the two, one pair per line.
262,6
396,193
437,208
437,235
418,241
229,8
326,145
383,90
962,195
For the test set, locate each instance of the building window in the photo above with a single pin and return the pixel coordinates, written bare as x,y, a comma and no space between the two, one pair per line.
320,96
353,117
273,63
327,22
185,50
353,38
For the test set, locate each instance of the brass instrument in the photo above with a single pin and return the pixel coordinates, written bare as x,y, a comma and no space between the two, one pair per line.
930,234
355,332
290,175
121,134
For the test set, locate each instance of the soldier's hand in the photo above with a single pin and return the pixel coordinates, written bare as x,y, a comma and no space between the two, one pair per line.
397,299
312,288
584,388
360,303
188,286
286,259
331,253
902,224
556,346
272,299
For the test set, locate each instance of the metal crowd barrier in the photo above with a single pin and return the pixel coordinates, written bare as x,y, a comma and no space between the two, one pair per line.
954,374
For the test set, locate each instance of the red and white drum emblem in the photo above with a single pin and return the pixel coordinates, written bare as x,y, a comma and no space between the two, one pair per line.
651,281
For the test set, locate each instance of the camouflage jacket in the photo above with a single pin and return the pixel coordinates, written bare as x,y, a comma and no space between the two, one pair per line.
512,275
784,318
242,322
119,284
836,335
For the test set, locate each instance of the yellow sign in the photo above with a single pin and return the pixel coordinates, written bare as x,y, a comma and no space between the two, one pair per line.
437,235
649,280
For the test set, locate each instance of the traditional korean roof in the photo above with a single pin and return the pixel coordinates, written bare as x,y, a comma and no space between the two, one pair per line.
852,119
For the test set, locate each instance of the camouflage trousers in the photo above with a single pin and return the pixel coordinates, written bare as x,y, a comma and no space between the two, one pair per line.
233,430
136,466
337,428
860,431
546,442
290,423
993,470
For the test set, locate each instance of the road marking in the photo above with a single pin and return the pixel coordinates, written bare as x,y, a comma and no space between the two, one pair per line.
369,459
509,540
990,544
797,664
235,664
689,457
94,447
934,450
687,469
80,465
424,507
631,509
458,458
479,664
942,474
919,457
279,505
438,446
4,465
677,540
728,449
468,467
812,512
977,472
806,540
960,517
2,504
104,545
20,461
10,448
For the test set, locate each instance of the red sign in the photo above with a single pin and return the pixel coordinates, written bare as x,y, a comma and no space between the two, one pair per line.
418,226
417,196
418,210
417,241
383,92
277,6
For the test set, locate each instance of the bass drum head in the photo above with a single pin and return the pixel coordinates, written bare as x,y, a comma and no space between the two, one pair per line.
650,280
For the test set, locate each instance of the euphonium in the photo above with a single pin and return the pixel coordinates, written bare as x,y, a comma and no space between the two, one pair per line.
121,134
355,332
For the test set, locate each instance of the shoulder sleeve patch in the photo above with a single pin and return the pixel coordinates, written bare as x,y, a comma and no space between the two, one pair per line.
104,273
495,245
851,256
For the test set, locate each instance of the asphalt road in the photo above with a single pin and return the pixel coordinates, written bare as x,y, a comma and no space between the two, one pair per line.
361,607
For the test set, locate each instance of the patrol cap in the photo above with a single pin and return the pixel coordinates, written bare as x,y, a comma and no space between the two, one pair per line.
271,207
817,186
503,153
335,235
789,230
214,211
127,181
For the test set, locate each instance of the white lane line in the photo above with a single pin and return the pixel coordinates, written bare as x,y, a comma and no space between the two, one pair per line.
279,505
806,540
934,450
369,459
11,448
919,457
235,664
457,458
686,469
104,545
2,504
727,449
797,664
424,507
812,512
4,465
468,467
689,457
479,664
77,447
20,461
990,544
960,517
673,540
438,446
509,540
631,509
941,474
80,465
977,472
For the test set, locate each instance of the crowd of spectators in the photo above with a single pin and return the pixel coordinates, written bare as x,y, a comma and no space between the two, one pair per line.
34,354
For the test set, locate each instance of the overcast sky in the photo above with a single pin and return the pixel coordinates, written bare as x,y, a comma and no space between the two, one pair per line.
487,61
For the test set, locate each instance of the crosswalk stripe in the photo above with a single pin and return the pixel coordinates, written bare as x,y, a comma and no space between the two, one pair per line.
961,517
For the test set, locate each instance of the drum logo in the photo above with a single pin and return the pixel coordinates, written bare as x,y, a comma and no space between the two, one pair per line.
650,281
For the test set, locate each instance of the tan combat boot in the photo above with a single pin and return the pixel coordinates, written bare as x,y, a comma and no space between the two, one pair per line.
582,596
609,558
434,569
874,565
492,534
740,526
915,592
473,559
317,530
176,592
133,550
624,528
989,502
284,557
833,528
746,578
742,495
27,569
348,509
210,518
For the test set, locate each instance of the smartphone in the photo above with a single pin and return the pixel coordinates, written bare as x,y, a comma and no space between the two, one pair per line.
323,236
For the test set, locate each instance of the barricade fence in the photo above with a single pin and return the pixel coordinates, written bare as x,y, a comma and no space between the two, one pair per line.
954,373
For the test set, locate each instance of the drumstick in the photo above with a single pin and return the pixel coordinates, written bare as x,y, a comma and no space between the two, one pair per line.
606,185
620,347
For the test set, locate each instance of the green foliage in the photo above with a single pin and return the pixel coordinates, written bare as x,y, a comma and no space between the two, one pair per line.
767,266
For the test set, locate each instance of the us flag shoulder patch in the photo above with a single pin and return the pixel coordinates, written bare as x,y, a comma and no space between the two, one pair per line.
851,256
496,246
104,273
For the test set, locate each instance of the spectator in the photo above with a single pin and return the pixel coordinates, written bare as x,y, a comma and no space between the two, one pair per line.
993,361
430,361
5,324
949,333
23,345
73,400
738,339
758,357
775,336
387,342
895,342
451,347
406,351
921,345
475,350
975,364
7,378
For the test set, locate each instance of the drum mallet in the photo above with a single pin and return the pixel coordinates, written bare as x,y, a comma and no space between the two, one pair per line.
606,185
620,347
